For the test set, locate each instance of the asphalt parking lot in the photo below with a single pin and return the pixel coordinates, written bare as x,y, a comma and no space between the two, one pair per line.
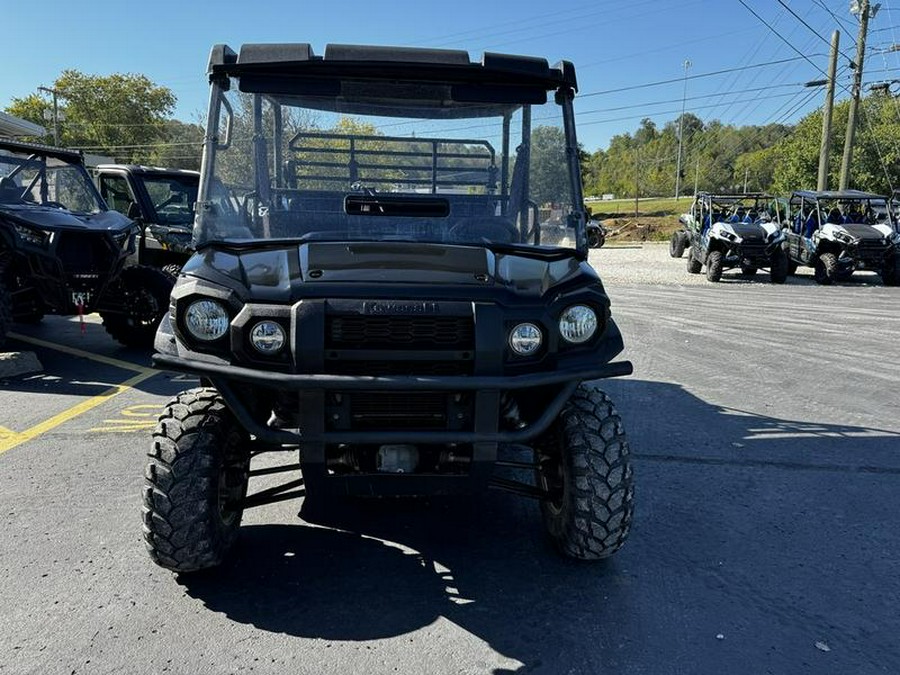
764,420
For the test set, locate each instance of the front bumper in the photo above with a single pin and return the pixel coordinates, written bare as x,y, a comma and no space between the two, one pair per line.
866,255
313,387
755,253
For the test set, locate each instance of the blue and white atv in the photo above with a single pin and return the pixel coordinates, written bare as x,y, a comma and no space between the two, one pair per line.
838,233
737,230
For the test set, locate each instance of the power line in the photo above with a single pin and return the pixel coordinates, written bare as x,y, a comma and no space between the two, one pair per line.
779,35
674,111
698,97
841,22
679,80
812,30
750,108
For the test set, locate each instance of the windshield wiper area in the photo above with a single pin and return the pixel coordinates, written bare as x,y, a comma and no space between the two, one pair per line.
396,205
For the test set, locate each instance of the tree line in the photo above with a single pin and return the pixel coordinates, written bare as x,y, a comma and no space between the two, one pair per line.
776,158
123,116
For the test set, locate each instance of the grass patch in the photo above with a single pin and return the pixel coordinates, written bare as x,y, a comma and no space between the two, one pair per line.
656,218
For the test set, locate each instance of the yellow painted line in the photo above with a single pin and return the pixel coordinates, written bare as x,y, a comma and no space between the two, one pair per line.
122,430
140,417
12,439
6,434
112,425
74,351
143,410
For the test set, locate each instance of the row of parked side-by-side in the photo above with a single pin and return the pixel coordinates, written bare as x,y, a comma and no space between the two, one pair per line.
74,243
836,233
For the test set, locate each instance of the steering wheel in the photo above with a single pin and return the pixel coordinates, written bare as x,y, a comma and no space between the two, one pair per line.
494,229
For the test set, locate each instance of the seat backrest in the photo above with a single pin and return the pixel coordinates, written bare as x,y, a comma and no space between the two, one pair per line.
812,223
834,216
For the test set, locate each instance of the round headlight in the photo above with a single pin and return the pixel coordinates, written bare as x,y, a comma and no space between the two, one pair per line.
578,324
267,337
525,339
206,320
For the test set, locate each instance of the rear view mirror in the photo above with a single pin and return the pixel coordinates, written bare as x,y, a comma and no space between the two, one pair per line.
134,211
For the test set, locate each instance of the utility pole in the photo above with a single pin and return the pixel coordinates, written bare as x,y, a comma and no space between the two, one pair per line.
697,177
825,149
687,64
637,185
863,9
55,113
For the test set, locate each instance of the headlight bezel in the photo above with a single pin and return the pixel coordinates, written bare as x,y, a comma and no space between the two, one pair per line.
195,336
575,339
844,237
536,334
280,331
33,236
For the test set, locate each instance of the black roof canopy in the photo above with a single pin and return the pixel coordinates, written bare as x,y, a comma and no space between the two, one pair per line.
73,156
836,194
408,78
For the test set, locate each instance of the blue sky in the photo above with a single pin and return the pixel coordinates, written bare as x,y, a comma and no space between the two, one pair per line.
620,49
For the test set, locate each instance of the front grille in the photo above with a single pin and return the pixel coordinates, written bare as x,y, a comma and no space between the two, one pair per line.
872,250
439,344
407,332
752,249
84,255
412,410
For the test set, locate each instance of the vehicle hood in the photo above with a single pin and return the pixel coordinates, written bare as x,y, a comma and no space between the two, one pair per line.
284,274
862,231
49,218
747,230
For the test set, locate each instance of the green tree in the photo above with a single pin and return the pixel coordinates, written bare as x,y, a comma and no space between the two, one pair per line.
758,167
121,115
549,179
181,146
876,154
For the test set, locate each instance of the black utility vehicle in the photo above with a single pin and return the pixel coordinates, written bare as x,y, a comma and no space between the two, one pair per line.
596,234
735,230
372,288
161,201
839,232
63,251
681,238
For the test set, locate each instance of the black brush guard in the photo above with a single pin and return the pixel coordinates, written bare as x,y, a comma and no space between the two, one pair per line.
312,437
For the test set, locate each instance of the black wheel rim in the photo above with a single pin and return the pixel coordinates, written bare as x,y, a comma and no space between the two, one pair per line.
144,309
551,480
232,479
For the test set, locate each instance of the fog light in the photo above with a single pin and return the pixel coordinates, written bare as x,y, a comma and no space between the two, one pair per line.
525,339
267,337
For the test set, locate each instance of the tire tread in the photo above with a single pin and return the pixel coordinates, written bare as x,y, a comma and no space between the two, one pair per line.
181,527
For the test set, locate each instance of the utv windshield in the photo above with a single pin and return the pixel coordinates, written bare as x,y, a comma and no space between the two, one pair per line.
42,180
173,198
384,162
843,210
743,208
